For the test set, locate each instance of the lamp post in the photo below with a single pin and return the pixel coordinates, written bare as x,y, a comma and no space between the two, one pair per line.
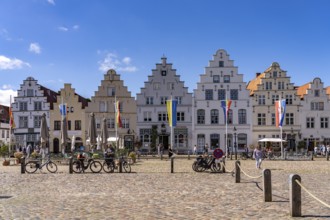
235,144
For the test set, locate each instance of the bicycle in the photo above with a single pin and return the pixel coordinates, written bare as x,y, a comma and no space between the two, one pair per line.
32,166
109,164
79,166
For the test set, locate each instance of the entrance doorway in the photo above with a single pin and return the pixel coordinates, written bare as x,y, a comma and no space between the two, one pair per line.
56,146
163,139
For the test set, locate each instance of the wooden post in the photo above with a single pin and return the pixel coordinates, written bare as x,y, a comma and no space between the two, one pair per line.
120,165
295,195
267,185
70,165
327,155
237,172
188,154
224,164
23,165
172,164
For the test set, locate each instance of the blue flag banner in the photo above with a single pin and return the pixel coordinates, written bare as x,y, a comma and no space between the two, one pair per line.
171,112
62,109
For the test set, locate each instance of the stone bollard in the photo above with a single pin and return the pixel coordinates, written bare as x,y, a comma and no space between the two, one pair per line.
172,164
23,165
295,195
267,185
237,172
327,155
70,165
120,165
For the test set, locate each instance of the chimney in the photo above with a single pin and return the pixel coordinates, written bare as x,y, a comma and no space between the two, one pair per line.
258,74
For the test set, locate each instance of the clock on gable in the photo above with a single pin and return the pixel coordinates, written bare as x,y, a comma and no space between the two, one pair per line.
163,72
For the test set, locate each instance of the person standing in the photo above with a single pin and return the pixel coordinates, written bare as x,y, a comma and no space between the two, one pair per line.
195,149
28,151
257,155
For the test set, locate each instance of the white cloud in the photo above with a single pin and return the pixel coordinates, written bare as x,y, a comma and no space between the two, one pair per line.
52,2
112,61
62,28
5,92
35,48
4,34
75,27
11,63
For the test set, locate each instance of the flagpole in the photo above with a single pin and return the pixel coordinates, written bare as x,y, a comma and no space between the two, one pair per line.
10,124
116,130
282,153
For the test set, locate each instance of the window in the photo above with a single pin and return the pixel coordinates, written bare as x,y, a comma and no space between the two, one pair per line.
57,125
274,98
23,121
309,122
23,106
226,79
180,116
156,86
275,74
69,125
149,100
145,136
289,118
29,92
162,116
273,119
36,121
261,119
234,94
280,85
111,123
214,116
200,116
37,106
262,100
241,116
317,93
179,98
170,86
324,122
208,94
146,116
268,85
288,99
317,106
221,64
230,116
125,122
163,72
214,138
111,91
77,125
221,94
216,78
102,106
163,100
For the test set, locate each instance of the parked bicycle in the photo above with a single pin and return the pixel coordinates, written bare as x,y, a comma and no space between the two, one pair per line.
203,163
80,165
109,164
33,165
245,155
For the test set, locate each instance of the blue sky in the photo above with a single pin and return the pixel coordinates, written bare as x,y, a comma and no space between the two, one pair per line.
76,41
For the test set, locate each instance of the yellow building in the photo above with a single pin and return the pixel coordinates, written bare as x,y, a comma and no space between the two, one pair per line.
75,120
103,106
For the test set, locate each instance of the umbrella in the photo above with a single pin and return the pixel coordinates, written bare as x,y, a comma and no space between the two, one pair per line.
64,134
73,143
99,142
104,133
44,134
92,130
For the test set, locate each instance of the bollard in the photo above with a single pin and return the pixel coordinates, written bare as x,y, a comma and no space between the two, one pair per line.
120,165
267,185
188,154
237,172
161,156
172,164
70,165
23,165
224,164
327,155
295,195
312,155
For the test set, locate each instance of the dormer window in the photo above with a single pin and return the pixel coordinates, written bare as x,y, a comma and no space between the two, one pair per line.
275,74
163,72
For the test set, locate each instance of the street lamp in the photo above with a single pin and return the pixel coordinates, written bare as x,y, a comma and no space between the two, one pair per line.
235,144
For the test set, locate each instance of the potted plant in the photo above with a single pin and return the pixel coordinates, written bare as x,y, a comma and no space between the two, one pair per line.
3,152
132,155
18,156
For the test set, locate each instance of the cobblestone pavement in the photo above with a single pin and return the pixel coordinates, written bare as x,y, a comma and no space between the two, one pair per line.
151,191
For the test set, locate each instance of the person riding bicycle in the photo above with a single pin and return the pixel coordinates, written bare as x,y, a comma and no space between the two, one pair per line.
81,157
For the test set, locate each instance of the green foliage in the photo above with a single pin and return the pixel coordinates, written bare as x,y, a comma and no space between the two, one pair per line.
301,144
133,156
3,150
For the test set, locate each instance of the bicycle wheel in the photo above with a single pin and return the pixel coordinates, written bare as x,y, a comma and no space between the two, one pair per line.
51,167
216,167
31,167
127,167
77,167
96,167
194,165
108,167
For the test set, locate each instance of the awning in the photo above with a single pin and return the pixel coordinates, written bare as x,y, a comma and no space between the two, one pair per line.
271,140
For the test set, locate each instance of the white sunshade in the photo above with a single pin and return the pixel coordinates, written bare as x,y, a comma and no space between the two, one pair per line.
110,139
271,140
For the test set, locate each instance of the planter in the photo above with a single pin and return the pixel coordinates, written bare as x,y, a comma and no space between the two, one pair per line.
6,163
